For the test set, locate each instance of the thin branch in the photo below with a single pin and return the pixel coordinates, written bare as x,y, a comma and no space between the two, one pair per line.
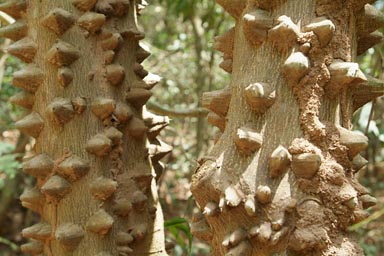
160,110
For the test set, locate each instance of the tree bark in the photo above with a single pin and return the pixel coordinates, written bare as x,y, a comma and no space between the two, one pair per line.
281,178
85,87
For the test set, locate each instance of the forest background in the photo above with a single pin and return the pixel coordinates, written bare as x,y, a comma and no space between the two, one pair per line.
179,34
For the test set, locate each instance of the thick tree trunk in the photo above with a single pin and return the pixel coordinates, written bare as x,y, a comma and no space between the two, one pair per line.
280,180
96,191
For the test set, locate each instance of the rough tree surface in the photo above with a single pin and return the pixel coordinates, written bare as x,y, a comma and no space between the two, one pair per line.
85,89
281,178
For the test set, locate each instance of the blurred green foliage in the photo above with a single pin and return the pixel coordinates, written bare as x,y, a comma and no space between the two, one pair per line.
8,163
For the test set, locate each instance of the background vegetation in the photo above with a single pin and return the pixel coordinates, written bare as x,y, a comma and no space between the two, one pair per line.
180,39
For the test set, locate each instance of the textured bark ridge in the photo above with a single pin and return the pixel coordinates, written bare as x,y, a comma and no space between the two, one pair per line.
85,89
281,178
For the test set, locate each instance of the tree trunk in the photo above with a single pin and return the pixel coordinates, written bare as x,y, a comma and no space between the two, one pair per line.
281,178
85,87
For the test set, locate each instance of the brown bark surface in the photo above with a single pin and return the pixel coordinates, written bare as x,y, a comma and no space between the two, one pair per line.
281,178
83,83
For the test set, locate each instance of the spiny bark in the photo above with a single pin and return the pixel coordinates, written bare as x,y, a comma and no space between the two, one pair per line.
281,178
95,190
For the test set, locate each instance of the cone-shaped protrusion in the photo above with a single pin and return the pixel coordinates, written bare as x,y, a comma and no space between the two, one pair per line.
84,5
102,188
91,21
159,169
138,96
139,231
323,28
33,247
277,224
56,187
151,80
33,199
14,31
58,20
136,128
285,29
100,222
226,65
233,239
247,140
39,166
29,78
140,6
217,101
133,33
279,162
23,99
73,168
371,20
65,76
100,145
359,215
69,235
224,43
62,110
262,233
367,22
103,108
305,165
260,97
122,207
367,91
31,124
263,194
368,201
109,57
158,149
111,41
123,112
139,200
142,52
216,120
295,67
211,209
368,40
62,54
243,249
233,7
233,196
359,162
14,8
354,141
24,49
155,123
114,135
140,71
343,74
250,205
256,25
113,7
39,231
115,74
124,238
79,104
